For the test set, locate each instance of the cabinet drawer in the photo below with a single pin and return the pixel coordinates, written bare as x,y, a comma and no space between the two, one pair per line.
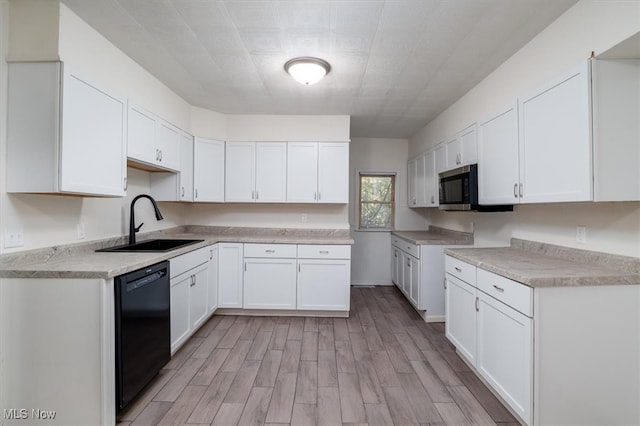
313,251
511,293
410,248
460,269
181,264
270,250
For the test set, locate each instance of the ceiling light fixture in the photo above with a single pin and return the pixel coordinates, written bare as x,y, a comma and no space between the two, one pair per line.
307,70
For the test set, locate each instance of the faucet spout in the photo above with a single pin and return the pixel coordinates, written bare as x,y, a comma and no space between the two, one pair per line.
132,220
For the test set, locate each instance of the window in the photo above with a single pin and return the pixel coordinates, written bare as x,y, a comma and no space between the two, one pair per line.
377,200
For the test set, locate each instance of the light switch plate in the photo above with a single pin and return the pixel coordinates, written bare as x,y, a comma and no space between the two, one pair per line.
581,234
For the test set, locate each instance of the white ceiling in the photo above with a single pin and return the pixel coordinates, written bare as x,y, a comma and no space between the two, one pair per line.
396,64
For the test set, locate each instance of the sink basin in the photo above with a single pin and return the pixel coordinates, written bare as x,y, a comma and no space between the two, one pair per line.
152,246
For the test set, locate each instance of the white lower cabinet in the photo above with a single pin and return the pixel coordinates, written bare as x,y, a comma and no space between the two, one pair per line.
489,321
505,352
460,325
189,286
323,284
212,293
230,275
269,283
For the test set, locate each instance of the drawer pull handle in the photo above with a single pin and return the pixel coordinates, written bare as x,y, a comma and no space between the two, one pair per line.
500,289
445,283
269,251
324,251
457,269
477,305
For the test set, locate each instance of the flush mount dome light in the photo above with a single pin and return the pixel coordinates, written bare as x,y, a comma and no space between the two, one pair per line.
307,70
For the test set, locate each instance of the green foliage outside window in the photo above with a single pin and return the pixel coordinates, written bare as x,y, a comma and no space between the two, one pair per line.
377,196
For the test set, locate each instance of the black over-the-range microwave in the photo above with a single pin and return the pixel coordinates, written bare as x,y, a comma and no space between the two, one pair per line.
458,191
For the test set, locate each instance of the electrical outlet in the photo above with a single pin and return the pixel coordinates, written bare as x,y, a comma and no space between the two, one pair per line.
80,231
581,234
303,217
13,238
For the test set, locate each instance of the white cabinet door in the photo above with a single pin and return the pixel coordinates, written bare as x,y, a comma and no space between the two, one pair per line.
93,146
555,140
469,145
240,172
505,351
269,283
395,264
421,181
453,149
186,167
498,159
212,278
179,304
230,275
209,170
441,159
413,286
430,180
323,284
406,274
302,172
64,134
271,172
412,182
460,325
198,296
141,134
168,143
333,172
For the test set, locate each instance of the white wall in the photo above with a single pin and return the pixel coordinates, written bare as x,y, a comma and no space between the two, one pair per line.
371,261
588,26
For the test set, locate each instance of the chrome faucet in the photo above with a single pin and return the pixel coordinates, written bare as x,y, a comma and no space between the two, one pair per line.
132,219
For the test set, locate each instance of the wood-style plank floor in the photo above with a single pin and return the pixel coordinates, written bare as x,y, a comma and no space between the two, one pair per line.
381,366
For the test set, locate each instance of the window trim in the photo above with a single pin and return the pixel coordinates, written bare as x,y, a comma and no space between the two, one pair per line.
358,208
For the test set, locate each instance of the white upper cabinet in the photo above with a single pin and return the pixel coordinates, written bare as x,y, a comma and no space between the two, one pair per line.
208,170
256,172
441,158
430,180
170,186
271,172
462,149
318,172
65,134
555,140
498,159
333,172
240,172
616,129
153,143
421,184
302,172
412,182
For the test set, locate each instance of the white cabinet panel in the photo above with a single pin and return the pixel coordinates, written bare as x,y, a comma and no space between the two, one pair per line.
209,170
168,141
421,181
212,278
498,159
460,326
240,172
271,172
230,275
453,148
333,173
169,186
324,284
462,149
555,140
412,182
431,180
152,143
198,308
505,353
76,128
302,172
180,319
269,283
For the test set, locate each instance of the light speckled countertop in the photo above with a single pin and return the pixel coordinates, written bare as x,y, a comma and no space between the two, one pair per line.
546,265
81,260
436,236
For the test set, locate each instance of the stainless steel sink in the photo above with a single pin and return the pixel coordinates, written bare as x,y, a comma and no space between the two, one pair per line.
152,246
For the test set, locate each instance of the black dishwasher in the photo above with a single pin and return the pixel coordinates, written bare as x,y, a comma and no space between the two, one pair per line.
142,329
